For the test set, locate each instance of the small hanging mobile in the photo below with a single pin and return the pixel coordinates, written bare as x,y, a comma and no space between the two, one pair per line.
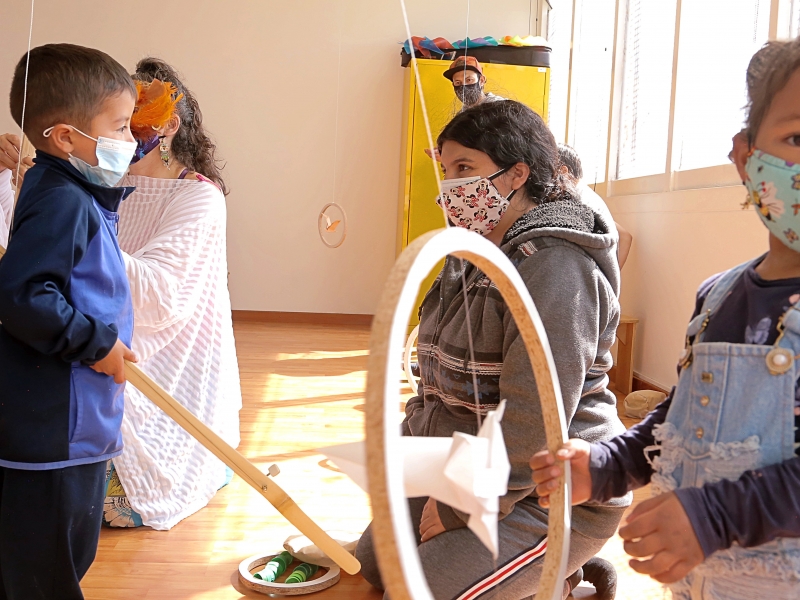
332,220
332,225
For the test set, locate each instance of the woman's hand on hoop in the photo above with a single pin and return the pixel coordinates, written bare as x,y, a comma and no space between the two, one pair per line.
431,524
659,532
546,472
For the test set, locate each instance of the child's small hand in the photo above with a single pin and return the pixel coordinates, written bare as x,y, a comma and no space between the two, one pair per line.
114,363
545,473
659,529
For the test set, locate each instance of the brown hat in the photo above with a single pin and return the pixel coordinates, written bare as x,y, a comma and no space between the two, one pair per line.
462,63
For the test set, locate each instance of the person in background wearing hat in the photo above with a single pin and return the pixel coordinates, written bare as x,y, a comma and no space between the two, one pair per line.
468,79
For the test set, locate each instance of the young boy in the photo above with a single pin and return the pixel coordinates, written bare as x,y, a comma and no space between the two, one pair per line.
67,320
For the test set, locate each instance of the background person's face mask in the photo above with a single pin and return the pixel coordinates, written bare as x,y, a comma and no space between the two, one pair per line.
774,187
113,159
144,147
474,203
469,94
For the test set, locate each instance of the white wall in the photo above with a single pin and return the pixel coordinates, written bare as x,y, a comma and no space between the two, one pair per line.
679,240
265,74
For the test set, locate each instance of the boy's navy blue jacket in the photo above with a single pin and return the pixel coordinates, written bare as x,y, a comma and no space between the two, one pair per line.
64,301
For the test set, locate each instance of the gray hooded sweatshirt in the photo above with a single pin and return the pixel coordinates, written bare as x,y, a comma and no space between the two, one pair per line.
566,255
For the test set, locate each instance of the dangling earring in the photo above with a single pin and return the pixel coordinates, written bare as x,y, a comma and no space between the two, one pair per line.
164,149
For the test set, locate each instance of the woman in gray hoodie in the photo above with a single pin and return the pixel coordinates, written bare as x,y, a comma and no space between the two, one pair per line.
503,180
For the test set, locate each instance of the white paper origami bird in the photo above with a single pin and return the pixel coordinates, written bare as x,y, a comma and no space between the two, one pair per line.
467,472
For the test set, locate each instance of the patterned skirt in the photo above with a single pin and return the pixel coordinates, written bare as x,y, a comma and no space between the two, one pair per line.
117,509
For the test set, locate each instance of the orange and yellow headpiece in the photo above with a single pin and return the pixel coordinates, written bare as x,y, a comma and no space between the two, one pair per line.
155,106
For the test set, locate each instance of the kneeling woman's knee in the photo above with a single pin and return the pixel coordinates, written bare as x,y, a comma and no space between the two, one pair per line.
365,553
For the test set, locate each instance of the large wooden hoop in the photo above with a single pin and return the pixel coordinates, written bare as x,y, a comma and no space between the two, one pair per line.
395,543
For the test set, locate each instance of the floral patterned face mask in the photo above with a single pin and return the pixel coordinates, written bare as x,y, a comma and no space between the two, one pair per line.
474,202
774,186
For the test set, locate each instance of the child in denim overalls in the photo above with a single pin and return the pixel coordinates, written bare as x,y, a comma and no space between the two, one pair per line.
721,452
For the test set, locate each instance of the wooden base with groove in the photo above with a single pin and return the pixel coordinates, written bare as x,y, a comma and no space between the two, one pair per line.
246,567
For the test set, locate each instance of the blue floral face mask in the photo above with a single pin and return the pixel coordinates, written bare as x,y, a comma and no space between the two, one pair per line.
774,187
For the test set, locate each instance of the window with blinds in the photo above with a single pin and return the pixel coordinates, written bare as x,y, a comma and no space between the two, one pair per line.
646,88
559,34
717,40
697,89
593,48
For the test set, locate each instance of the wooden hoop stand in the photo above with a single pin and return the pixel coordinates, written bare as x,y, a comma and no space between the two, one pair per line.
395,543
329,579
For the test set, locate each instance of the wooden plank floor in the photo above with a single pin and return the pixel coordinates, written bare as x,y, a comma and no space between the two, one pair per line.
303,388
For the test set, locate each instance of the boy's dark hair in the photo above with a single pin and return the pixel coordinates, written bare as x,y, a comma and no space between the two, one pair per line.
191,145
767,74
510,133
571,160
66,84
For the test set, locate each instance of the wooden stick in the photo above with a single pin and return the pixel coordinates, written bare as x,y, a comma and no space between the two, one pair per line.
395,542
251,474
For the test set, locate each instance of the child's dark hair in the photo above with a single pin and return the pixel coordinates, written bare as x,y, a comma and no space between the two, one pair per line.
570,159
191,145
66,84
510,133
767,74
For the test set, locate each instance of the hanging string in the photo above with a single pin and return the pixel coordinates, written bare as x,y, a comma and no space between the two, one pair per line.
22,118
434,162
472,367
438,183
338,94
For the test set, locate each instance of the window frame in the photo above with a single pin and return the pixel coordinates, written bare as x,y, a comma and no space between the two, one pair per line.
670,180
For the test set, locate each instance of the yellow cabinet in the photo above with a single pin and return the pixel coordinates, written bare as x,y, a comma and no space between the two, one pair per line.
418,210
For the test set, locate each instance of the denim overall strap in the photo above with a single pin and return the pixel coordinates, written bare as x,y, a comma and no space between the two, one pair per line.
719,292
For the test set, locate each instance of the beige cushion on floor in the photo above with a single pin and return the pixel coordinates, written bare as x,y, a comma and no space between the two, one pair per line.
638,404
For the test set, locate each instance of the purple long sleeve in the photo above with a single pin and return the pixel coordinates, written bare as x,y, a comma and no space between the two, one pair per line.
757,508
619,465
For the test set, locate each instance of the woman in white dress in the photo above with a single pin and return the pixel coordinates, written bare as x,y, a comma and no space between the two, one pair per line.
172,231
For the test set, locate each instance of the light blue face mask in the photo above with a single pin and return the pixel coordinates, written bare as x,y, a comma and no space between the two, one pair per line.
113,159
774,187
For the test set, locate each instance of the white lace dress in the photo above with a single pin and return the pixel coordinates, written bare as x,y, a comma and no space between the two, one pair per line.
6,205
173,234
